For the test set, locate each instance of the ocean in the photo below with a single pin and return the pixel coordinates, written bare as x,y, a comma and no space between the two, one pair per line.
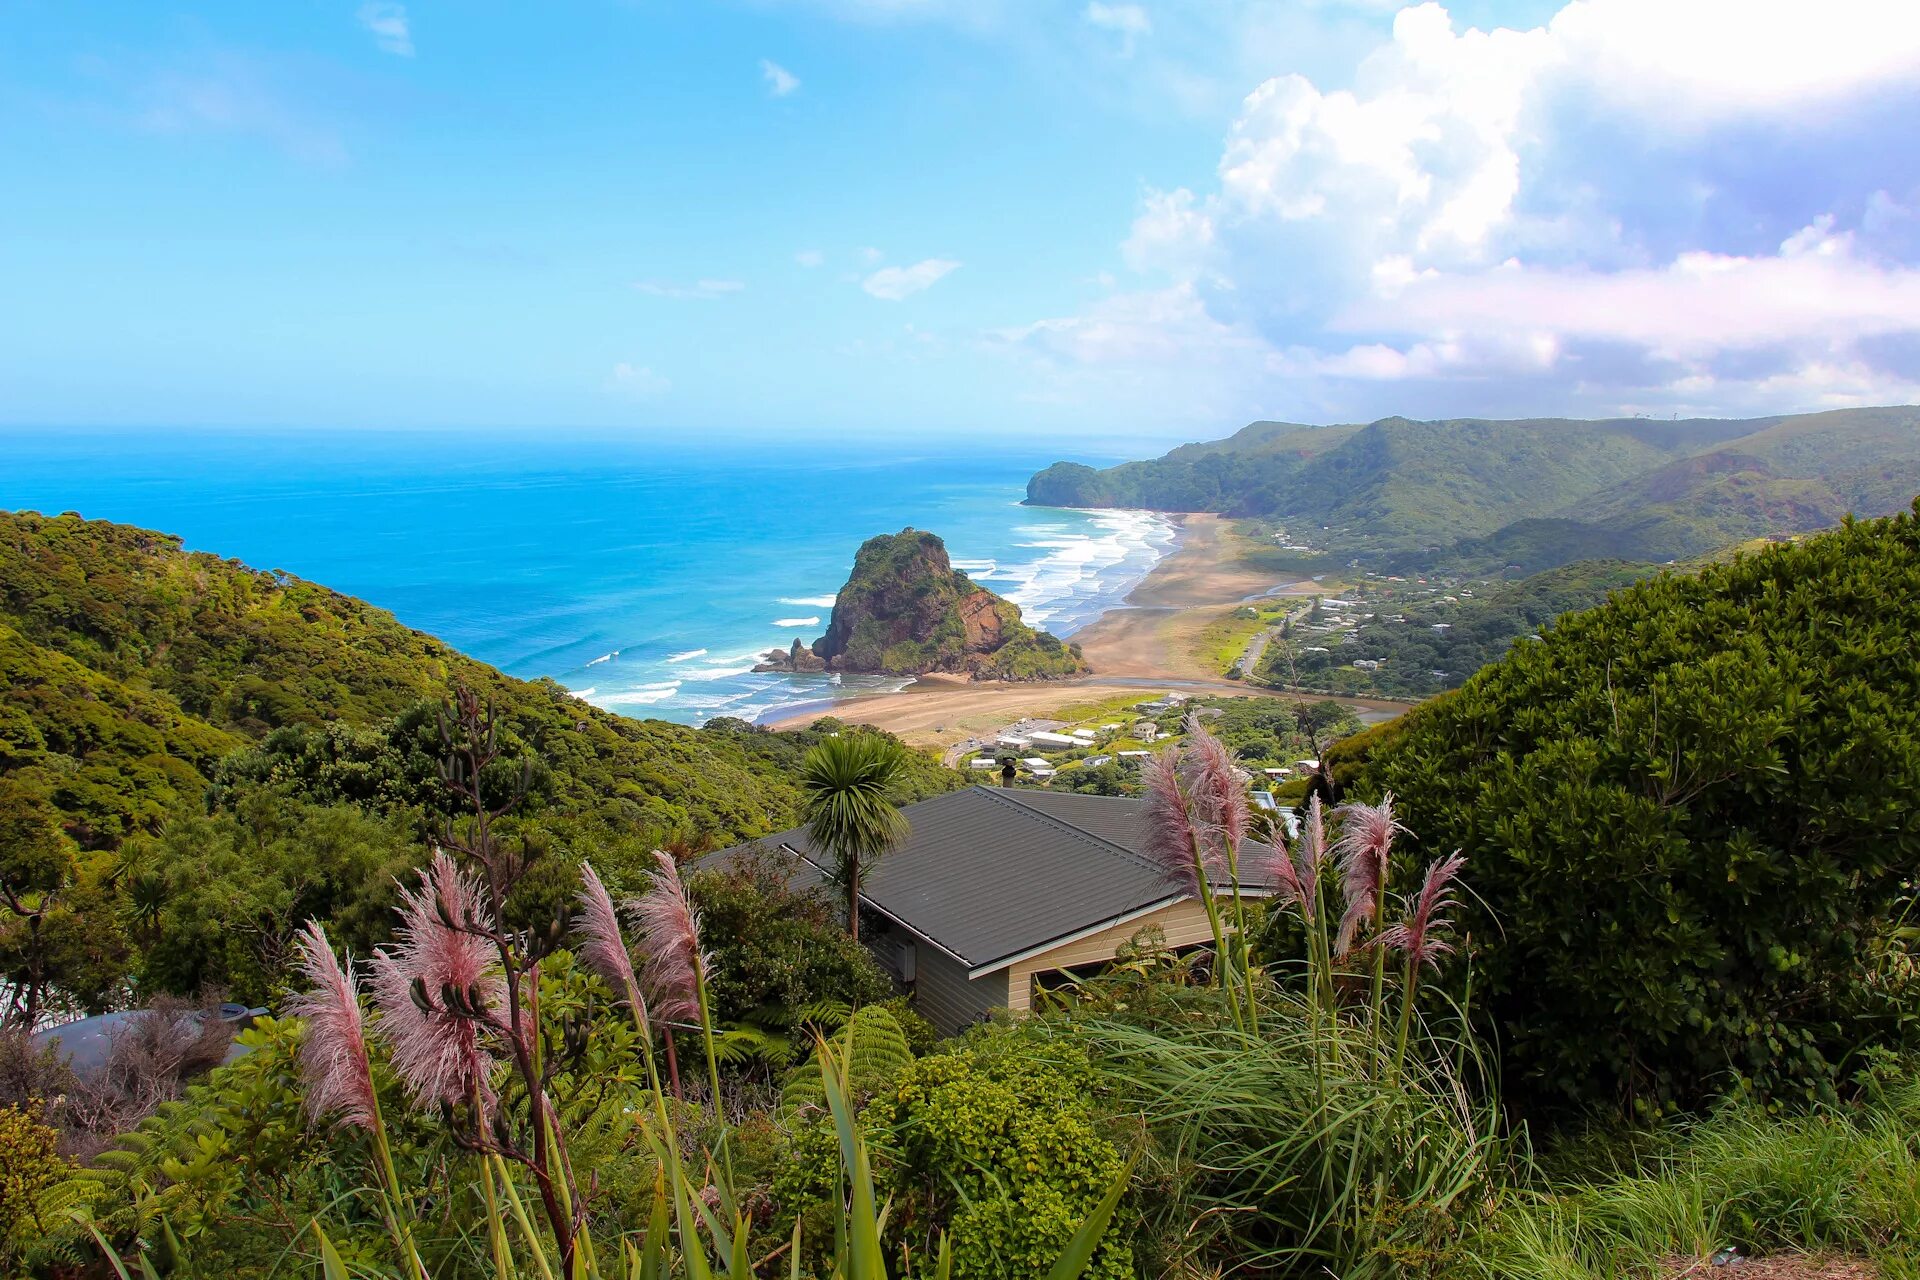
648,577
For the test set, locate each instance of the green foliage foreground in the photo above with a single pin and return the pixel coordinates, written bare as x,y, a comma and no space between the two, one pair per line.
1688,814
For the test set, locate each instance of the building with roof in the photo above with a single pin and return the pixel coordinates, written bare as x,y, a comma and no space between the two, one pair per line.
995,891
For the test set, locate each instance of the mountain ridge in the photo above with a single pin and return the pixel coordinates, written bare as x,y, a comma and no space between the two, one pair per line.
1439,490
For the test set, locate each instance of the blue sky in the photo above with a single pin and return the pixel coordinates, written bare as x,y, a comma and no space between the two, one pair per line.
1151,220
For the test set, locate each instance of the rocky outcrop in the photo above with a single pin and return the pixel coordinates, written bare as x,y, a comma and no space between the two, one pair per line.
907,611
798,658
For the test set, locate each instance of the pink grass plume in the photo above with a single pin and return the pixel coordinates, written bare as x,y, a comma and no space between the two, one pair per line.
1418,936
1173,831
670,935
1217,792
606,951
443,957
333,1050
1365,849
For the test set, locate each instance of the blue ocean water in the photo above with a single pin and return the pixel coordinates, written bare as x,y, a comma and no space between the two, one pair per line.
646,576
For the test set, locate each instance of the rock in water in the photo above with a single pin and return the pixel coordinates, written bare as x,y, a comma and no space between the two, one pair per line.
907,611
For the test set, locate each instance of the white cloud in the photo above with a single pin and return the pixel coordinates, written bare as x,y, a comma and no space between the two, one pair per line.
1129,21
1638,202
780,81
809,258
895,283
871,256
698,290
1173,234
637,380
388,23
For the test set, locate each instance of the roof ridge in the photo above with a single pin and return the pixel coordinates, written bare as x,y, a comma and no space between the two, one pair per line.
1000,794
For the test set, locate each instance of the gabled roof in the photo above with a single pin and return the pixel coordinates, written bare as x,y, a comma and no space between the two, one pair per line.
990,874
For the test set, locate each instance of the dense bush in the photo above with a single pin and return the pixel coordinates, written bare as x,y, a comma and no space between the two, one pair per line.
989,1142
779,952
1004,1151
30,1165
1688,816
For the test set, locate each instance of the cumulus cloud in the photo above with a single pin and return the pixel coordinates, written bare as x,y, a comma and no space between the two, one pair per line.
388,24
1708,205
699,290
780,81
895,283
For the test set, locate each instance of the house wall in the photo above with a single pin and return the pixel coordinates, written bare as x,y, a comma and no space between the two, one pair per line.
1184,923
947,998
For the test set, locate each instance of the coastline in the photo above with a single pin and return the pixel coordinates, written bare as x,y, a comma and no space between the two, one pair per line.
1141,646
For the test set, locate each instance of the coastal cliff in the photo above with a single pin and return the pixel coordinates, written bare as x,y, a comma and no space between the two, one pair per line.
907,611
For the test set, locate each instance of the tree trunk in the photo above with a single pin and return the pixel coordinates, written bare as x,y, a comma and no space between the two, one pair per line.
853,902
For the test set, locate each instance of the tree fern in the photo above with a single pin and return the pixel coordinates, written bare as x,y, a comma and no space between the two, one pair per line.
873,1049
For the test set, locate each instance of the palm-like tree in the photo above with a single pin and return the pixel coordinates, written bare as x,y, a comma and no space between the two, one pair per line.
850,782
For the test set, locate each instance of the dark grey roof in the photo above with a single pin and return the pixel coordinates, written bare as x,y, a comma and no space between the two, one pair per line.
987,874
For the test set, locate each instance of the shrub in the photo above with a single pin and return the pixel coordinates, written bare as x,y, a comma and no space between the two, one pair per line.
995,1146
1002,1150
779,952
1687,814
30,1165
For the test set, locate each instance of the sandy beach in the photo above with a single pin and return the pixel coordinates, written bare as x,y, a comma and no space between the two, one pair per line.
1143,647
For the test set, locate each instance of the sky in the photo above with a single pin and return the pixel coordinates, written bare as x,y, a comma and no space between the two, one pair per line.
1115,220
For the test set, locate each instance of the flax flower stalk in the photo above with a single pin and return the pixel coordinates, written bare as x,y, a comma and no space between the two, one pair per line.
338,1072
1177,841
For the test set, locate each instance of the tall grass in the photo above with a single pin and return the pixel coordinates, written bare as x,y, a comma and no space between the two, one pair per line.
1845,1180
1304,1118
1298,1150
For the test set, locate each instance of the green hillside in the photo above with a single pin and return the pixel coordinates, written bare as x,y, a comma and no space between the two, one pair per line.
1435,644
1684,815
132,667
1474,493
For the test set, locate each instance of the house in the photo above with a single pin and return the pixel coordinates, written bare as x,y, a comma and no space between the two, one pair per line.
1037,762
1054,741
1094,762
1014,741
1134,755
983,762
994,893
1285,815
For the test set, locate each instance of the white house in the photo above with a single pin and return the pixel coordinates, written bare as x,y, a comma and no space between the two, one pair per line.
1056,741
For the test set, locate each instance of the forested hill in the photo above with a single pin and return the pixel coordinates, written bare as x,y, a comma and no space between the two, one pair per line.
1537,492
135,670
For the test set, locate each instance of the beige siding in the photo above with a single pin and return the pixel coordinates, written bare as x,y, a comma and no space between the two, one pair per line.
947,998
1184,923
